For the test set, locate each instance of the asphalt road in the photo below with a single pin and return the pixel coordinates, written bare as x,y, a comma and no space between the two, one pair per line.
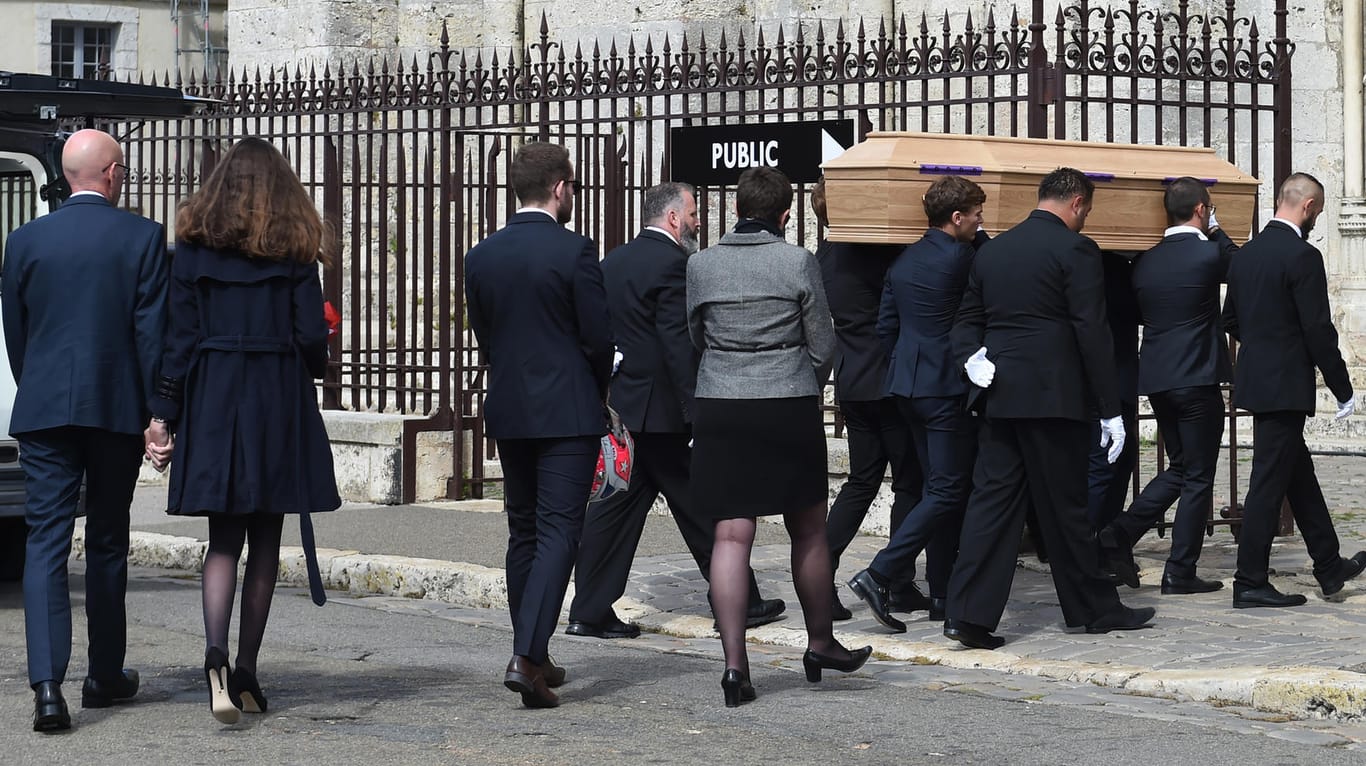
391,681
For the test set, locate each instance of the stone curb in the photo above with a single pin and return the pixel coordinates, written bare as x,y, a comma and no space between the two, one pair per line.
1297,692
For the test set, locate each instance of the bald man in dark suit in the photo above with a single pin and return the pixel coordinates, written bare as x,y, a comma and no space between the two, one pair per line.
1277,308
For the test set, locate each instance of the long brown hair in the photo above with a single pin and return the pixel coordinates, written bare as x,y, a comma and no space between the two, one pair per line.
254,204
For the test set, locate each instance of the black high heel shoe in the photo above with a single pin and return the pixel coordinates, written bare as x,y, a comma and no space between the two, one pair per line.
224,708
814,662
245,692
737,688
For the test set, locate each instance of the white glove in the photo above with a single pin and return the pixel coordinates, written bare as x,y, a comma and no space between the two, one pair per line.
1346,408
1213,222
981,370
1112,435
616,361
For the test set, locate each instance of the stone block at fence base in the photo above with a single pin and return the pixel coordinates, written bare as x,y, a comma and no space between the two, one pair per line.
367,451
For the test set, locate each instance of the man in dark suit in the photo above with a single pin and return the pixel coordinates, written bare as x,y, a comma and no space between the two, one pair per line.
652,392
1108,482
84,308
1277,308
1031,331
876,434
923,291
1184,361
536,304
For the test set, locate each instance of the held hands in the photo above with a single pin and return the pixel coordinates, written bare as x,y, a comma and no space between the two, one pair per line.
1346,408
1112,435
157,444
981,370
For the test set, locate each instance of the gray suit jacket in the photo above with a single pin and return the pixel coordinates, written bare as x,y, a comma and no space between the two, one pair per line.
757,311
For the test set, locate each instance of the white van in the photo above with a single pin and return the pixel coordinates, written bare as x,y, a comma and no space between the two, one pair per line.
37,112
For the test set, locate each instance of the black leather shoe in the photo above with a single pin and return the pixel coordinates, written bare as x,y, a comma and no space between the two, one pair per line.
553,674
909,600
764,611
875,596
1267,595
1123,618
1175,585
813,663
972,636
613,628
1117,557
938,608
1346,570
49,708
737,688
98,693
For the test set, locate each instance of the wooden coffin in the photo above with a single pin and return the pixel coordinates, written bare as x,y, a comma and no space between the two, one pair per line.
874,190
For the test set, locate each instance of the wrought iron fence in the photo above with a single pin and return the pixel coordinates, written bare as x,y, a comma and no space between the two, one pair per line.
408,158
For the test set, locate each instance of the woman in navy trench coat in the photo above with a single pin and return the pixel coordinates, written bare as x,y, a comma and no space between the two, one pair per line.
245,338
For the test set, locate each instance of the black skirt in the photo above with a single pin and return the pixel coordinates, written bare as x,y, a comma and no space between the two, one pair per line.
758,457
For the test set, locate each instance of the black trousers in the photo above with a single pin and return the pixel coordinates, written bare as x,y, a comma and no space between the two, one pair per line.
1282,468
878,436
1192,423
545,488
1018,459
54,462
612,528
944,439
1108,483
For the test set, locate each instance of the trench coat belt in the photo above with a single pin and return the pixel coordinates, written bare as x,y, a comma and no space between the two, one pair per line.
270,344
255,343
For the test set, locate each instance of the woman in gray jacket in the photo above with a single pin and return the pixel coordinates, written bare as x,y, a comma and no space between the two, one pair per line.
757,312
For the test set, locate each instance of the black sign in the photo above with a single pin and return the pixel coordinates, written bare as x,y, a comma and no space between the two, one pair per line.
716,155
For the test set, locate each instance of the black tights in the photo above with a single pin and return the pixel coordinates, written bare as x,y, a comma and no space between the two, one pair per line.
810,574
261,532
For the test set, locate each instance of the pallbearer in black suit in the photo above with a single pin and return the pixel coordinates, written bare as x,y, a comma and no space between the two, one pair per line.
1031,331
923,291
84,308
1108,482
652,390
853,275
1277,308
1183,361
536,303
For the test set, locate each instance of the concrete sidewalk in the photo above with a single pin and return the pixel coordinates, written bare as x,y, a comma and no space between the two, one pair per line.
1303,662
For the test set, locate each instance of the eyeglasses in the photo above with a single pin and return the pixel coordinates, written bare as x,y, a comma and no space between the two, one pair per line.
115,165
1212,208
575,185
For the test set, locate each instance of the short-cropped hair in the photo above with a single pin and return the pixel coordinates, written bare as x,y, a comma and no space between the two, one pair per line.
1066,183
662,198
1181,197
949,195
536,168
764,193
818,203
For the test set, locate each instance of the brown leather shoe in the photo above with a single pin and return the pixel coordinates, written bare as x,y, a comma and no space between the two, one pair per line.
554,674
525,677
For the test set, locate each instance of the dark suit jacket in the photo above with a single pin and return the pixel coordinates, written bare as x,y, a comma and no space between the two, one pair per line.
536,303
1277,308
1177,287
1036,300
1121,314
853,275
923,291
647,284
84,304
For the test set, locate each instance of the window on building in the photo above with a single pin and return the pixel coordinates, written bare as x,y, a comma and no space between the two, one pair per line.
81,50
